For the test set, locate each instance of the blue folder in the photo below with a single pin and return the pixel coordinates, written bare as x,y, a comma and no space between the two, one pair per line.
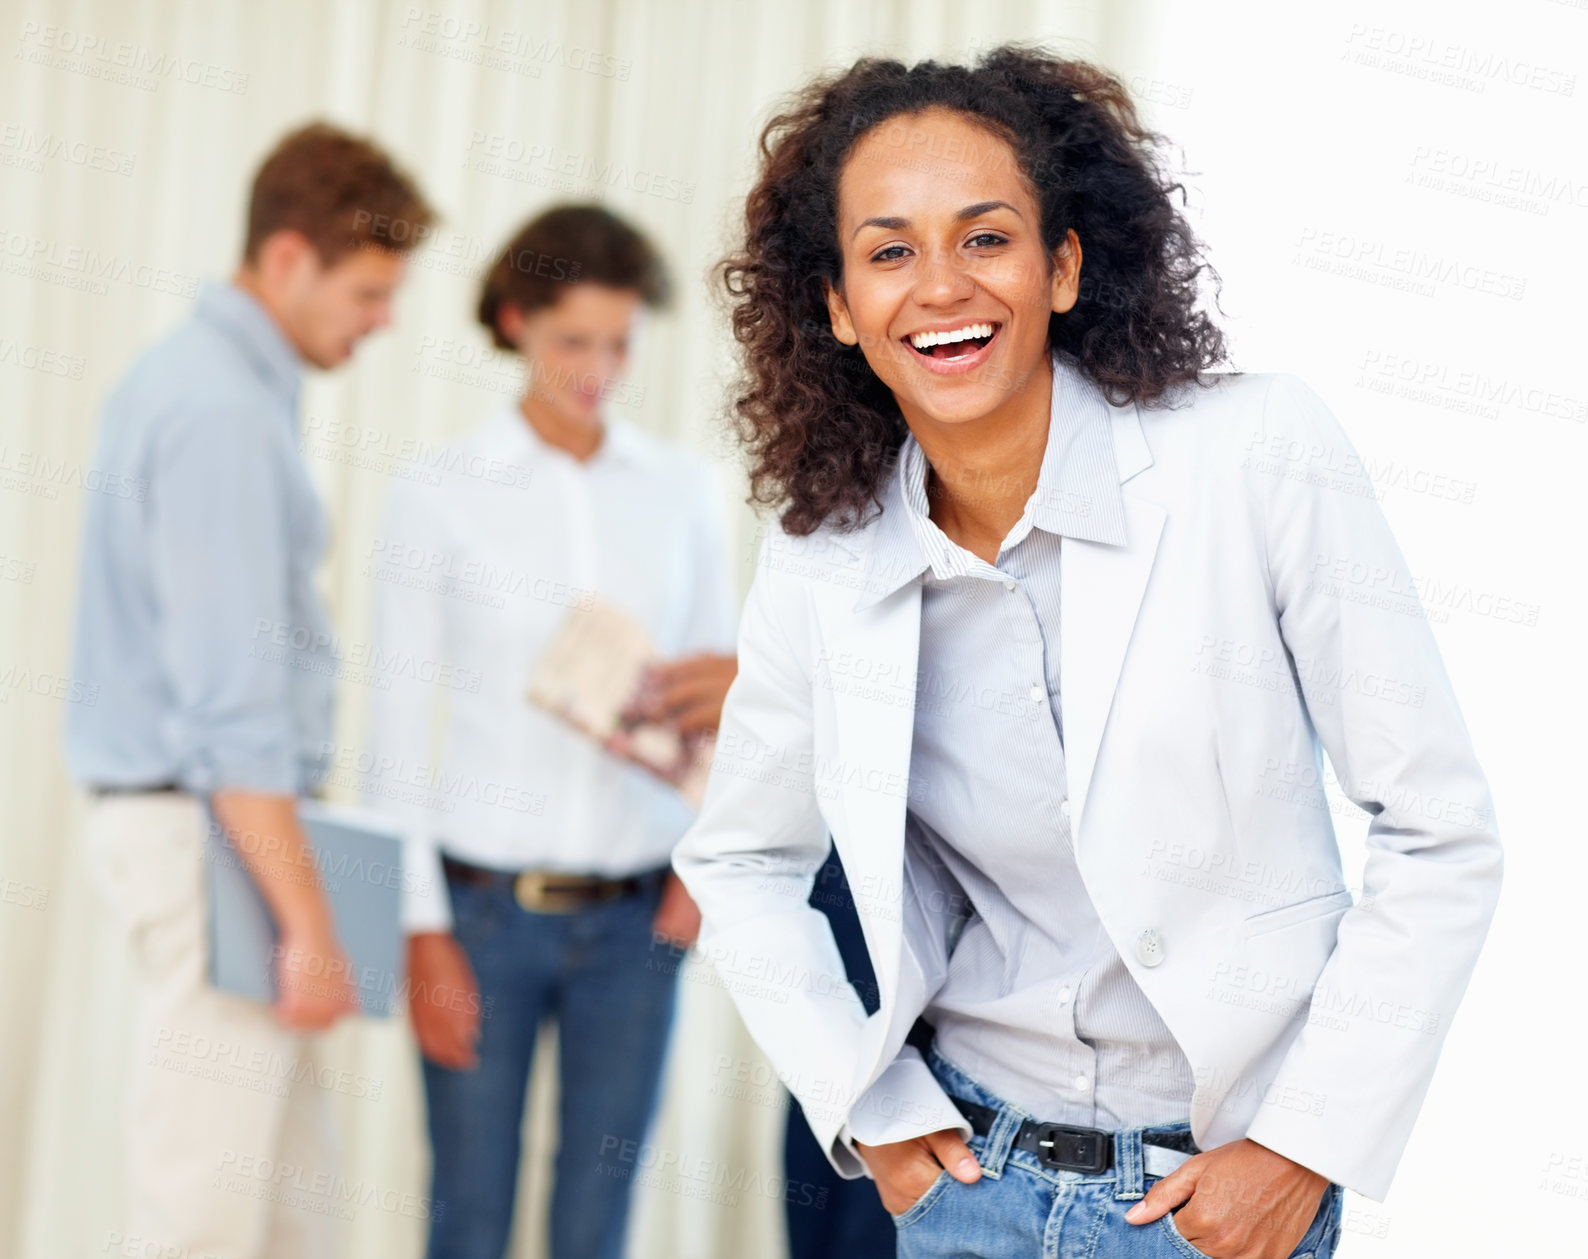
358,859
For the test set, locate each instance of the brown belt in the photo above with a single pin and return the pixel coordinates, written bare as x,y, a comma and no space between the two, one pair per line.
551,891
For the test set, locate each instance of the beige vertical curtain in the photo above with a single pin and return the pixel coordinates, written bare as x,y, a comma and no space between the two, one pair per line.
128,133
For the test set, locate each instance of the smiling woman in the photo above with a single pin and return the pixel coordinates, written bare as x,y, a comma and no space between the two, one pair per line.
1065,169
967,297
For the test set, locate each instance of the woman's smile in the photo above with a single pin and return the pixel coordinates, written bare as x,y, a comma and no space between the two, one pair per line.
960,347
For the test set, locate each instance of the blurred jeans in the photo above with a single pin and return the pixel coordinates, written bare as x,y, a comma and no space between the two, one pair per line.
1019,1207
611,990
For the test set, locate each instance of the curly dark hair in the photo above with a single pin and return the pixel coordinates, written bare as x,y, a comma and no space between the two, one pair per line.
821,429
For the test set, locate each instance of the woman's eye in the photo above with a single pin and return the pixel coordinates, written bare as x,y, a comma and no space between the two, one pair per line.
988,238
891,254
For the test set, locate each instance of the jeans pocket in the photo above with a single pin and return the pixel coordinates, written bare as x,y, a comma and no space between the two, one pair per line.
1323,1234
1177,1239
1318,1242
476,912
925,1202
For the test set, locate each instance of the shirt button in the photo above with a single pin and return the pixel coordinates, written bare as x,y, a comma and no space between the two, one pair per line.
1149,947
1064,995
1082,1083
1037,694
1064,807
1009,584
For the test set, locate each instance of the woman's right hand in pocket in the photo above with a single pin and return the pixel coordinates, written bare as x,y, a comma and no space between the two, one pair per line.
904,1170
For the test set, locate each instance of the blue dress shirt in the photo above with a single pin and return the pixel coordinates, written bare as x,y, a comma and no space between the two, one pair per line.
197,617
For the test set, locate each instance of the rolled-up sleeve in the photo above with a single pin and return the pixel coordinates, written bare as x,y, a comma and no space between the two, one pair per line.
219,555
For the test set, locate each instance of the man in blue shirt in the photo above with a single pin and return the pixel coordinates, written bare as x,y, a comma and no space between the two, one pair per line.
199,623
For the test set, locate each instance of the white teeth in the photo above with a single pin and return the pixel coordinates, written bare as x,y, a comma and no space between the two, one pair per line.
926,340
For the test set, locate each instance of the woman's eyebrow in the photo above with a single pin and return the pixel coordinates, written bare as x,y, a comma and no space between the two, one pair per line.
890,223
983,207
893,223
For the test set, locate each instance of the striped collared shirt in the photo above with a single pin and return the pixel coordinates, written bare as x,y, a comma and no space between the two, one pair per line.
1037,1004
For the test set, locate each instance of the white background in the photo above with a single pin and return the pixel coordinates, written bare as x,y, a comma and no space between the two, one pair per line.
1341,153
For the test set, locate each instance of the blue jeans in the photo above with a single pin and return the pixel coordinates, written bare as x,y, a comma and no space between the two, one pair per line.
1021,1208
611,991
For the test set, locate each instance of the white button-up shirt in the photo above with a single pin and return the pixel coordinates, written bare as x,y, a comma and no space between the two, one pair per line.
482,555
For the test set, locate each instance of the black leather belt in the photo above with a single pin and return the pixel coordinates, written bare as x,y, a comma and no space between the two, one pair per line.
1066,1147
152,789
551,891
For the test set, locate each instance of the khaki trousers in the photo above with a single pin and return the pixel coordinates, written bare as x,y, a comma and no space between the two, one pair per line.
228,1147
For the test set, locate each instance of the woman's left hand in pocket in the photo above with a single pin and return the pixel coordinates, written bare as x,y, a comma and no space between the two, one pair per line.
1241,1201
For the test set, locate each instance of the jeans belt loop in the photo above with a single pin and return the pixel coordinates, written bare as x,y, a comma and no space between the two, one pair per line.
1000,1140
1129,1181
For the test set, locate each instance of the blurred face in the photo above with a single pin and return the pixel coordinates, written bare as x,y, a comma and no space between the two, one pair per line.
326,311
947,286
578,348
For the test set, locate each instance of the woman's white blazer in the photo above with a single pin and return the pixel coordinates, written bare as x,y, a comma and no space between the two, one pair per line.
1258,616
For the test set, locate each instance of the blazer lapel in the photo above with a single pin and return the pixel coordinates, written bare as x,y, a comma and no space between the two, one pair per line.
872,767
1102,586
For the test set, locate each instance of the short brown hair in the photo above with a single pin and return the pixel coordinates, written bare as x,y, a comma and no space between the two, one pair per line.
564,246
340,191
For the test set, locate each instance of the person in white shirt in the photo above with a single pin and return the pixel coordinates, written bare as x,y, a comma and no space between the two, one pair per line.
544,855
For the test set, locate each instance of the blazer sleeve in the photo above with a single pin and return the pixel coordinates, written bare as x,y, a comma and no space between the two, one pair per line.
751,857
1347,608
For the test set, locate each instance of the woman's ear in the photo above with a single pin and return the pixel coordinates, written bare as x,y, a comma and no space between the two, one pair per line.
838,312
1067,274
